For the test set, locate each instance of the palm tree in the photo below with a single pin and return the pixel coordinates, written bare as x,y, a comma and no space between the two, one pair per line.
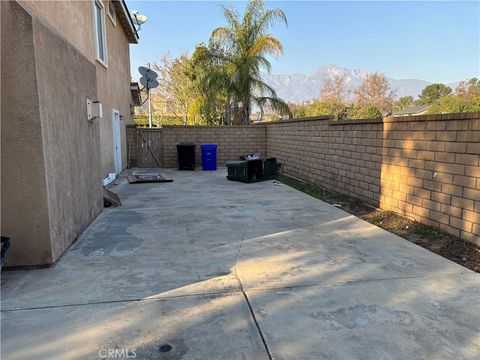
244,45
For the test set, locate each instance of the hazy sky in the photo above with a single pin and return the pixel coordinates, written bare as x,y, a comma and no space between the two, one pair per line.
433,41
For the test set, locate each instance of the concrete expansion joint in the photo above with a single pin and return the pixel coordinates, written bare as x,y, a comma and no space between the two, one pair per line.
236,261
242,291
219,293
257,325
247,300
355,282
71,305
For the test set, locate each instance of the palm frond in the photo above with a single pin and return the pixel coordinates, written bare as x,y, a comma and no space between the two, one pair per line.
268,19
223,35
231,15
273,15
266,44
263,87
277,104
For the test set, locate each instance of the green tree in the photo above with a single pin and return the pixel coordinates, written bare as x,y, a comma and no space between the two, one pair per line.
210,79
403,102
245,44
298,110
433,92
366,112
319,108
454,104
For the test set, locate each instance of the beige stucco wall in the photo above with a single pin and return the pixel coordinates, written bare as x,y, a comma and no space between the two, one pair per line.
70,142
24,215
73,20
51,185
113,84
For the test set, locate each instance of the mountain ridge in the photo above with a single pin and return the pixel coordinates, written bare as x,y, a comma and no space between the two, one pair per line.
302,87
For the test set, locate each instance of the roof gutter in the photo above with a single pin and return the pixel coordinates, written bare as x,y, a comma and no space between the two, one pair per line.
127,21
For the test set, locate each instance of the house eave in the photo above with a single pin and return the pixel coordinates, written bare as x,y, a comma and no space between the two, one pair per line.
126,20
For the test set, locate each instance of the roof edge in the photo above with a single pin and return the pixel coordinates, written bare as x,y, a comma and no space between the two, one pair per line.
126,20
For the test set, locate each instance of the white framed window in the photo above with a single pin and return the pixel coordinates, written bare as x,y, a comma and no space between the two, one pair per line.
111,13
100,35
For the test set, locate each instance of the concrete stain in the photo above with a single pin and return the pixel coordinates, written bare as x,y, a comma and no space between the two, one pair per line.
116,228
361,316
404,317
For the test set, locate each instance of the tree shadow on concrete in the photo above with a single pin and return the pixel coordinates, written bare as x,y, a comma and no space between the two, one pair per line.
321,284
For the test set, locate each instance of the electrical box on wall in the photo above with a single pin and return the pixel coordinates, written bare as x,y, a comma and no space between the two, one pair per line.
94,109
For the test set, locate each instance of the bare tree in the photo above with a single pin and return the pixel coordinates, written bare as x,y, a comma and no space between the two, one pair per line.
469,88
375,90
334,89
175,87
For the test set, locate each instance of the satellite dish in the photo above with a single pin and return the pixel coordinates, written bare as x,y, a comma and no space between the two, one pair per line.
138,19
152,84
141,19
149,84
148,73
151,74
149,77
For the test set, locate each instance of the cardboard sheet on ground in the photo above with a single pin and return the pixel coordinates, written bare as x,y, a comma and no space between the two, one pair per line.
146,177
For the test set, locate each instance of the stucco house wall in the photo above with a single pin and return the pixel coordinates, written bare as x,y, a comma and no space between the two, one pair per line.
74,21
113,84
53,159
24,207
70,142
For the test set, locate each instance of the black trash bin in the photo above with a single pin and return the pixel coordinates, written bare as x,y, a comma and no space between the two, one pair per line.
186,156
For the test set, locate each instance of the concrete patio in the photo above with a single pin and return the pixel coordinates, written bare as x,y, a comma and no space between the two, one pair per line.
225,270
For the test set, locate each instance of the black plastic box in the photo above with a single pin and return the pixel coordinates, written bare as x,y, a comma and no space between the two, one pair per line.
186,156
252,170
270,168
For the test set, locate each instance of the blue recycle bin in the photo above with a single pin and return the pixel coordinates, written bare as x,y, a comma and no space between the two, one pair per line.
209,156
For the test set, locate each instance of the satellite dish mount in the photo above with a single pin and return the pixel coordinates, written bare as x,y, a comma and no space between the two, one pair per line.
148,80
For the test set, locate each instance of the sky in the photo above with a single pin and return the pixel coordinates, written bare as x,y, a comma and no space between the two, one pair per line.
433,41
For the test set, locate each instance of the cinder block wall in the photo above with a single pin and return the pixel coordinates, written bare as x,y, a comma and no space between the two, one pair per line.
345,158
232,141
425,167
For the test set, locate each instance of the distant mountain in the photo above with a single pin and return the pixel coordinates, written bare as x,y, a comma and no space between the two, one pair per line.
299,87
